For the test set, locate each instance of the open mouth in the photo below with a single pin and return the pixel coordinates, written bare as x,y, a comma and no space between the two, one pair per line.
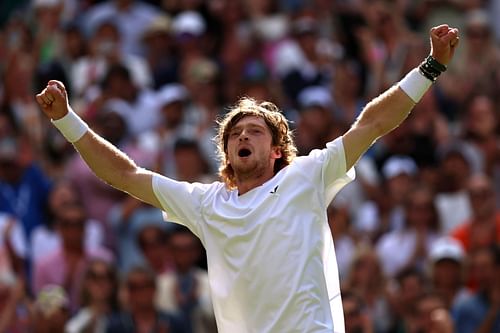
244,152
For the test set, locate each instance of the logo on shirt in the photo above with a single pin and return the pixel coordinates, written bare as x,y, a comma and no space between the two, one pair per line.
274,190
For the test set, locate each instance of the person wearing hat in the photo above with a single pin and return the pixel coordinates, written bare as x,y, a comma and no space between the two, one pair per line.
447,263
483,228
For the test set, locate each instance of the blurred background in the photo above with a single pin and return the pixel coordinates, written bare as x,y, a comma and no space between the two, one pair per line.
417,231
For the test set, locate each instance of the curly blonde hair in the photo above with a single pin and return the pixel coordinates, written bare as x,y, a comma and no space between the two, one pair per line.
281,134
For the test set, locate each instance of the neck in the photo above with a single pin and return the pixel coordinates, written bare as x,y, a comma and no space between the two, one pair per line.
73,250
144,314
246,184
486,218
100,306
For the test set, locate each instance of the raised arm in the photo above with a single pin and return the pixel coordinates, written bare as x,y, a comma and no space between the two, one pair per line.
387,111
106,161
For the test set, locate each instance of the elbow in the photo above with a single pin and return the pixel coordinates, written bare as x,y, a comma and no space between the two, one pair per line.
119,180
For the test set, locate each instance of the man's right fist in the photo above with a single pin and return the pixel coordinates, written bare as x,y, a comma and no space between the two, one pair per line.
53,100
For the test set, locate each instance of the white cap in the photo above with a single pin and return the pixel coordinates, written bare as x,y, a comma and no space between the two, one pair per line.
189,22
171,93
160,24
447,248
398,165
315,96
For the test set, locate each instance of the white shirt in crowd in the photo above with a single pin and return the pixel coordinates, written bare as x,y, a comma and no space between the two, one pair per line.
45,241
18,242
271,260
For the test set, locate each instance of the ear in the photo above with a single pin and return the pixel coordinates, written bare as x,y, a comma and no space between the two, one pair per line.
276,152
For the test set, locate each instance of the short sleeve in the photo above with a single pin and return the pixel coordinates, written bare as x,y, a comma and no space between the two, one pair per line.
180,201
333,168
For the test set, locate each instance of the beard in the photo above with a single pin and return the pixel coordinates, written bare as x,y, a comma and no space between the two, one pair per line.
252,168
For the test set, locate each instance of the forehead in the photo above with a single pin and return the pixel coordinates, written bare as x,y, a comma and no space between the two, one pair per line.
250,120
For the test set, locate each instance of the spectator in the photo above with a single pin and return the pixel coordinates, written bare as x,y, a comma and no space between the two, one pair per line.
160,51
105,52
479,129
185,291
481,311
356,320
347,91
307,69
46,239
457,164
99,299
483,229
316,126
410,246
152,240
345,243
410,286
23,185
141,314
370,284
127,219
65,267
131,16
385,212
433,316
447,270
477,67
190,164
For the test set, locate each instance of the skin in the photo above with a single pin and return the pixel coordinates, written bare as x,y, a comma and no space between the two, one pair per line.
380,116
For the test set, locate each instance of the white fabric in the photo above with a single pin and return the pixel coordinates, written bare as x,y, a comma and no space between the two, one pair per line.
17,238
19,246
71,126
415,85
45,241
453,209
203,320
396,249
271,260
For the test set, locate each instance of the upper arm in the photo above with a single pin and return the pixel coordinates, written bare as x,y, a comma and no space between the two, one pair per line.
380,116
356,142
139,184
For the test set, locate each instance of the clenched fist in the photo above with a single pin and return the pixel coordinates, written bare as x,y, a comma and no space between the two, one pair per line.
444,41
53,100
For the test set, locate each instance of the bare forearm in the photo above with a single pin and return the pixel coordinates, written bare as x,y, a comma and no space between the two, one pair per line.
108,163
379,117
387,111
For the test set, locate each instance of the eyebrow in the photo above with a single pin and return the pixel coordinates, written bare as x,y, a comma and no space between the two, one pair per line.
250,125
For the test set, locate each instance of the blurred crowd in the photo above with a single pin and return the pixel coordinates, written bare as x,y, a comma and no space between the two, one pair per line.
417,234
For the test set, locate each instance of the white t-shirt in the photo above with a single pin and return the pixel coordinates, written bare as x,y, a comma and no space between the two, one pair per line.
271,260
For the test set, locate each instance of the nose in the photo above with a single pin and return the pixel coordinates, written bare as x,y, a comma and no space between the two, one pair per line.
243,136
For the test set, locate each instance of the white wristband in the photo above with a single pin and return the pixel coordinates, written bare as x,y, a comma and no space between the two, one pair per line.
71,126
415,85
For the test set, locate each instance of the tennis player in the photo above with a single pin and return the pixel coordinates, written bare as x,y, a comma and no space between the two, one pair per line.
271,260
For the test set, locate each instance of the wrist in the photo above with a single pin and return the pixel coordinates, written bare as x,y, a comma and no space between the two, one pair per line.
415,84
431,68
71,126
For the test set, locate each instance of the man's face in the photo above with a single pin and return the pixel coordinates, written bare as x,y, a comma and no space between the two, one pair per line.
249,148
